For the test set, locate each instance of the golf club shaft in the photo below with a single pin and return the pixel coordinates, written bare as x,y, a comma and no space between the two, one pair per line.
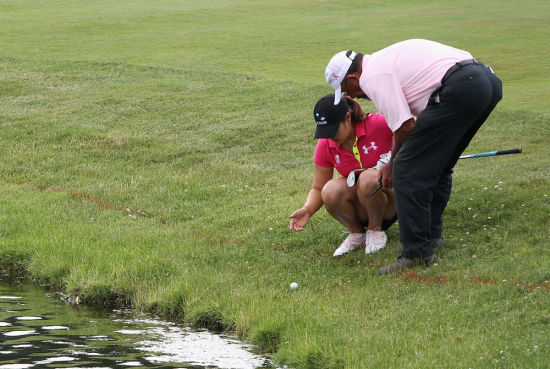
377,188
479,155
491,153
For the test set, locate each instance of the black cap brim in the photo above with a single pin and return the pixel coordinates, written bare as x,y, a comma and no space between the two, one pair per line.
328,131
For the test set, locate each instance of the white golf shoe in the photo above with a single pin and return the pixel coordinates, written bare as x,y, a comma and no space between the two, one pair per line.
352,242
375,240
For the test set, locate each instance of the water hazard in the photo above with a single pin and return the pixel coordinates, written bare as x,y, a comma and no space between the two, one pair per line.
39,330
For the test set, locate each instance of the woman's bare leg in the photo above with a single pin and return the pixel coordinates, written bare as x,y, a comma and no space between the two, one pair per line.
341,202
376,206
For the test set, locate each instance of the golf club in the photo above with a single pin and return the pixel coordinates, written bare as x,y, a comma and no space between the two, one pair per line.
377,188
352,177
492,153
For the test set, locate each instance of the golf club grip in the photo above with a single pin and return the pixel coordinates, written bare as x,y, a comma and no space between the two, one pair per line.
511,151
492,153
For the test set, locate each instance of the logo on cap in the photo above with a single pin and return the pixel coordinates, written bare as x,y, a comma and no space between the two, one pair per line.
321,121
336,70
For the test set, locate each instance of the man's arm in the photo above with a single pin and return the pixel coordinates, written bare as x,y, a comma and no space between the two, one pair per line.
401,135
399,138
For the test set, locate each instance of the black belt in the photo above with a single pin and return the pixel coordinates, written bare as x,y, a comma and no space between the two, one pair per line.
458,65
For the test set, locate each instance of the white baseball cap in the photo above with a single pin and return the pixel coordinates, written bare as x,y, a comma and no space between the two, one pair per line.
337,69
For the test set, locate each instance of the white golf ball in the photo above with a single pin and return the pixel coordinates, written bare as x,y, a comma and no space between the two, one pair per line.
294,286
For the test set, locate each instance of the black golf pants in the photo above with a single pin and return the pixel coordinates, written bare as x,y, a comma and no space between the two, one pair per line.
422,168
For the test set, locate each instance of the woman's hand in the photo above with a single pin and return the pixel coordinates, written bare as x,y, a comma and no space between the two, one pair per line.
299,219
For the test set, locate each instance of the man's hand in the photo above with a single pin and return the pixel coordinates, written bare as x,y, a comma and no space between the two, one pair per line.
399,138
386,174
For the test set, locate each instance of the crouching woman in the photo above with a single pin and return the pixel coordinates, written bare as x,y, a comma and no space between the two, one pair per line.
350,141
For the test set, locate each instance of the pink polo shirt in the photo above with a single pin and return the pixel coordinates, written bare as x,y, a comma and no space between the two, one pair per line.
400,78
374,138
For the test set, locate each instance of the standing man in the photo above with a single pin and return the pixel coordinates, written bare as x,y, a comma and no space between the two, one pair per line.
434,98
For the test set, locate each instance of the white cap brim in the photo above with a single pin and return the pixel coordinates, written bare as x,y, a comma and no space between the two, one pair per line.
337,95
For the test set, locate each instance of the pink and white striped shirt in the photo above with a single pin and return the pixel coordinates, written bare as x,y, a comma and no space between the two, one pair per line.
400,78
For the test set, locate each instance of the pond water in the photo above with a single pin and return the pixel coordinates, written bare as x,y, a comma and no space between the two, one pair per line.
40,330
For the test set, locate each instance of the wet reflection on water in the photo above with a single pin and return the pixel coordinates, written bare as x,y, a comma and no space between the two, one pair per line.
39,330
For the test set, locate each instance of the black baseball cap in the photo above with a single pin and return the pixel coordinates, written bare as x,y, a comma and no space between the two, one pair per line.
328,116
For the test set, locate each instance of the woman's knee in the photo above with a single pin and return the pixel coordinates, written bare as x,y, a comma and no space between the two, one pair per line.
333,192
367,181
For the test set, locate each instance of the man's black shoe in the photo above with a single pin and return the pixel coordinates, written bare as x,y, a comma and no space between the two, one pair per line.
404,263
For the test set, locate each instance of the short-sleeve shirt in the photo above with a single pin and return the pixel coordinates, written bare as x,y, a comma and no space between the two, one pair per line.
400,78
374,138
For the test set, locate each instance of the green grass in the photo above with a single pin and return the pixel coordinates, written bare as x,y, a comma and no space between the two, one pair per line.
152,152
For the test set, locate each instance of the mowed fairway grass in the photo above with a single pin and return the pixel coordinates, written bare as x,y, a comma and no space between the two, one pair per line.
152,151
